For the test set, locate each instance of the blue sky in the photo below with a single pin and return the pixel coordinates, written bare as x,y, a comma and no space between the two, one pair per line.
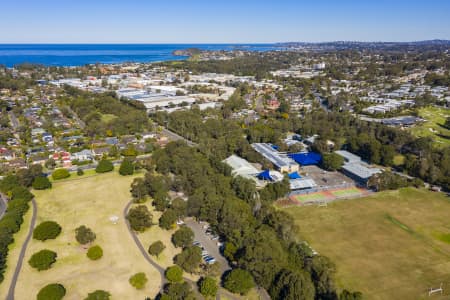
228,21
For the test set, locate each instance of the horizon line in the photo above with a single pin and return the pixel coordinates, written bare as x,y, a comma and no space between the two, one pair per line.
221,43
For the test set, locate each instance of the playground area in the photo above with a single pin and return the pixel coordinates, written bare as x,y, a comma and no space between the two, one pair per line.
327,195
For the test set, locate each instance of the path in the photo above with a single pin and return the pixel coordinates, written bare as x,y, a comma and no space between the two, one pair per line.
12,286
3,205
144,253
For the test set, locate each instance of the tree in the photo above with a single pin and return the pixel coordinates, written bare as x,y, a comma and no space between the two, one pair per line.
41,183
183,237
332,161
140,218
50,164
161,200
53,291
84,235
189,259
239,281
346,295
42,260
80,172
322,275
156,248
126,167
104,166
46,231
178,291
293,285
208,286
179,206
95,252
139,190
168,219
447,123
138,280
98,295
174,274
60,174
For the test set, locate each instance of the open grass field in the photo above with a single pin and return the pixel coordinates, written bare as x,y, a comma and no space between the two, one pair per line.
435,118
89,201
390,245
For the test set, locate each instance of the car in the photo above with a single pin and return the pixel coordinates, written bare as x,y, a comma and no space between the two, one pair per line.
196,243
180,222
204,252
215,237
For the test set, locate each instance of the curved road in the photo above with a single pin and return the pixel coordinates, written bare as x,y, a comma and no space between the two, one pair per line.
12,286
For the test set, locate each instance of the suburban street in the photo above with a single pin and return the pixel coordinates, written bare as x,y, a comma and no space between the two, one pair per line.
175,137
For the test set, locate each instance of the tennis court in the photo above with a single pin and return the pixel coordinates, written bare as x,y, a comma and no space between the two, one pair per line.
329,195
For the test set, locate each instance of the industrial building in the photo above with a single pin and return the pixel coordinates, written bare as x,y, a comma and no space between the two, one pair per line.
280,160
355,168
241,167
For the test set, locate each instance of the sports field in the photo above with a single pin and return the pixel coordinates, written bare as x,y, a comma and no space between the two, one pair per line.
89,201
328,195
390,245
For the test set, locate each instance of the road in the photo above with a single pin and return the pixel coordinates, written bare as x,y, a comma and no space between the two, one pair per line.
175,137
12,286
3,205
14,121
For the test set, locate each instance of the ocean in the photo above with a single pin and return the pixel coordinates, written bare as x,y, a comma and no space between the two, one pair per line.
82,54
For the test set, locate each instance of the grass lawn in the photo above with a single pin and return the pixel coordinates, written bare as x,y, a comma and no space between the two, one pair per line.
156,233
89,201
390,245
435,118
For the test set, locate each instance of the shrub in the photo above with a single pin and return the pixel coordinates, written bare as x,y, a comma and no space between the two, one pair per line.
174,274
156,248
60,174
84,235
80,172
42,260
47,230
208,287
95,252
239,281
183,237
41,183
98,295
54,291
126,167
140,218
104,166
138,280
